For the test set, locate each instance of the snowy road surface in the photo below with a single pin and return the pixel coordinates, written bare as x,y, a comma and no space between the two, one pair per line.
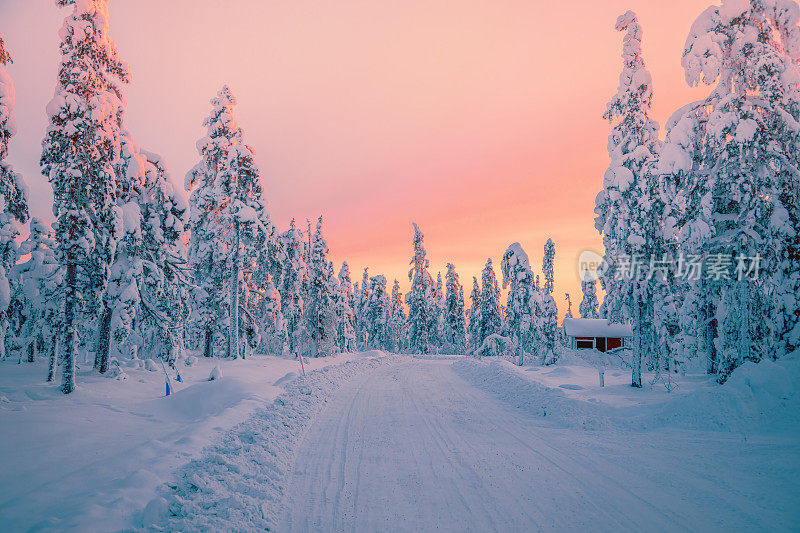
415,447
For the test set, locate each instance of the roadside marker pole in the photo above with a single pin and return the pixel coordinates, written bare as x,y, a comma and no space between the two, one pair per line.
302,367
169,382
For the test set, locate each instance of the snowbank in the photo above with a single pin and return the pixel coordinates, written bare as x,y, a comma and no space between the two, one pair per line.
237,484
760,396
93,459
763,395
497,377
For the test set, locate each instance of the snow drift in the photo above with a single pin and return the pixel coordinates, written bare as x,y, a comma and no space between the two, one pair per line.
238,484
756,396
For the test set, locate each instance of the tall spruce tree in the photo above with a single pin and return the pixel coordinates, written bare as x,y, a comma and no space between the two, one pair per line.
12,190
398,323
548,266
148,280
249,230
320,311
377,314
437,313
589,303
490,303
40,279
455,332
419,297
549,314
293,276
731,163
625,214
345,301
362,299
79,153
474,316
208,258
521,306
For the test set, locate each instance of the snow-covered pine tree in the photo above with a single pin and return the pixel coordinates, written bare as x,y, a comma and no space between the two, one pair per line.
490,303
733,162
208,258
549,310
79,153
589,303
548,266
230,228
40,278
320,311
474,316
455,331
377,314
437,313
12,190
149,280
167,276
243,212
346,298
398,324
521,306
624,207
362,299
418,298
274,338
293,279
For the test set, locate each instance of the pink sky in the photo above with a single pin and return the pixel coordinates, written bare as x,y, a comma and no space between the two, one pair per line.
481,121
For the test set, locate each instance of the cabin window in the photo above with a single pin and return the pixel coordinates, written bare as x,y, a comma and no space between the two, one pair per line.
584,343
613,342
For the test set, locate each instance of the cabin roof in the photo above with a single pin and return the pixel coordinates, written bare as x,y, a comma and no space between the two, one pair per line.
595,327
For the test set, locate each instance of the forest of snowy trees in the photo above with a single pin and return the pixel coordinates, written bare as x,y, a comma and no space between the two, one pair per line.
701,231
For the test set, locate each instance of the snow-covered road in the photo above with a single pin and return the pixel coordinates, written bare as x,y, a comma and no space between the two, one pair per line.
415,447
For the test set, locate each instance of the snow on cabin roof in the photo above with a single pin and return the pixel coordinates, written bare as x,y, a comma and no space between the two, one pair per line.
595,327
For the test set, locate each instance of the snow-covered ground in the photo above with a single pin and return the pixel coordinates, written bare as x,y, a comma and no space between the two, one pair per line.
758,397
93,459
414,447
368,442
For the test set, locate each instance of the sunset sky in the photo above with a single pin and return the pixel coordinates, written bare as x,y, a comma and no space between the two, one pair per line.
480,121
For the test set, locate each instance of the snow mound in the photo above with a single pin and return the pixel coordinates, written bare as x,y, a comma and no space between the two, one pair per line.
216,373
285,379
756,395
763,395
237,484
532,397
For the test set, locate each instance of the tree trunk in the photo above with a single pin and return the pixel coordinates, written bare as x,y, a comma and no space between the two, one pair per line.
68,381
233,332
744,321
51,369
3,329
207,349
104,340
709,328
638,344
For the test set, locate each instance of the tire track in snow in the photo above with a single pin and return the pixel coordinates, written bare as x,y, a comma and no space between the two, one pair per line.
423,449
